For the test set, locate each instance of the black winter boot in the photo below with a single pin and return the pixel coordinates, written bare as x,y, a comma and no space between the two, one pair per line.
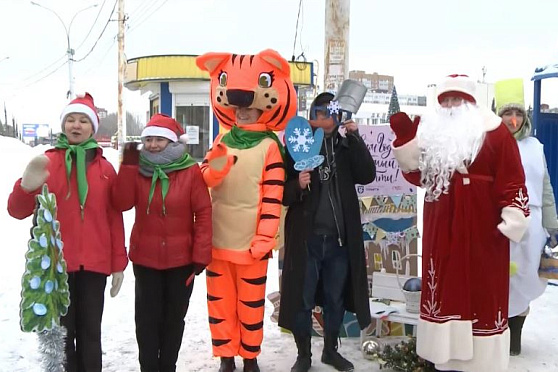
227,364
251,365
332,357
304,358
516,325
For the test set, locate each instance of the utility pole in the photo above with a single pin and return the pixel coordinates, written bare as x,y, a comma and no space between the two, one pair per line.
121,113
336,60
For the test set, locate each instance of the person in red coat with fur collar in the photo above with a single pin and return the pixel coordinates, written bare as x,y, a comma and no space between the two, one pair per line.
475,203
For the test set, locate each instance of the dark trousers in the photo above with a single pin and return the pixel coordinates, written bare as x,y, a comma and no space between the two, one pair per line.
162,300
83,321
329,262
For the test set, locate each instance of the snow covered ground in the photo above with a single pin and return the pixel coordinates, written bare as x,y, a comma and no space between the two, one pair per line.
18,350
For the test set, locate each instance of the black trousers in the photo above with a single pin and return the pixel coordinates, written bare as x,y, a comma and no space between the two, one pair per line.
83,321
329,262
162,300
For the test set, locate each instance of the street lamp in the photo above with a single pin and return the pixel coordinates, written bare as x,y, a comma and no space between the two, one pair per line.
5,58
69,50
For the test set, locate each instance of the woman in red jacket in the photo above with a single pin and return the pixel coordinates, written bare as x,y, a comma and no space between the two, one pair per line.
171,237
92,230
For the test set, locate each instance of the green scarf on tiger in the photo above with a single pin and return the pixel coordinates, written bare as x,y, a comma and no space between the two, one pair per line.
160,173
79,152
244,139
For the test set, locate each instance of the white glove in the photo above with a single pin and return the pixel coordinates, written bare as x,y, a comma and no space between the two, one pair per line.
35,173
553,239
117,279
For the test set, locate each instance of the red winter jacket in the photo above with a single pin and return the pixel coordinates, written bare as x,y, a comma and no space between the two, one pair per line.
183,235
95,243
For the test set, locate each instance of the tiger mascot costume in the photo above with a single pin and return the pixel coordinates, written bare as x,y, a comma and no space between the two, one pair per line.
245,172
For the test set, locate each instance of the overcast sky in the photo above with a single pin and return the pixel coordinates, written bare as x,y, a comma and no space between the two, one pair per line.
418,42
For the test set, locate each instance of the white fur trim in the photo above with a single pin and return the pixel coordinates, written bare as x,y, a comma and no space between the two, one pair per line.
154,131
458,84
183,139
490,119
514,223
452,346
407,155
80,109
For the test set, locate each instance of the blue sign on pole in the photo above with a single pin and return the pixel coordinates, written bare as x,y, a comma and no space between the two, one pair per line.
35,130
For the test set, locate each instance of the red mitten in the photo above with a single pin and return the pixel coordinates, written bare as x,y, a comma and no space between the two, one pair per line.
405,129
131,154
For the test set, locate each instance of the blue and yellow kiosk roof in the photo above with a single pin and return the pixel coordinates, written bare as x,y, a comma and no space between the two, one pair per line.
141,71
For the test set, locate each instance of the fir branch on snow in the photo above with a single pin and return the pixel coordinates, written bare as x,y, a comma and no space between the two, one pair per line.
403,357
45,294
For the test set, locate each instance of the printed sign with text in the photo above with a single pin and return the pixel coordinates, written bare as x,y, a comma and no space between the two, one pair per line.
389,178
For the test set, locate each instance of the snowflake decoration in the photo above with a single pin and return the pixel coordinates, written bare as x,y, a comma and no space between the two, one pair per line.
333,107
521,201
301,140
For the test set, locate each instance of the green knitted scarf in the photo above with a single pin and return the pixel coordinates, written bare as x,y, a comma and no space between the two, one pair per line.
79,152
160,173
244,139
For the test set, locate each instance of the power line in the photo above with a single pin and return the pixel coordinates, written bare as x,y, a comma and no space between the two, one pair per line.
44,68
149,16
47,75
99,63
93,25
296,29
102,32
135,11
16,91
144,14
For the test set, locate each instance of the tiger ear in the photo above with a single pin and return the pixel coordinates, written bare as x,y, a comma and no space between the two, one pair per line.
274,58
211,61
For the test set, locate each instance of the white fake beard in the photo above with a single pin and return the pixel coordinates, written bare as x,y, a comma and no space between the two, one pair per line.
450,138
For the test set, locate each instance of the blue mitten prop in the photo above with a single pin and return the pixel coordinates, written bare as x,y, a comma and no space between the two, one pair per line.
303,145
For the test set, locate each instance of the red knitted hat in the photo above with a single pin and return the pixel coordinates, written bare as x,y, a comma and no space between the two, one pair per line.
162,125
82,104
457,86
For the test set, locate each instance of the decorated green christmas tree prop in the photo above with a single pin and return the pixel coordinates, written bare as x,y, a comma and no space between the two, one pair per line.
393,104
45,295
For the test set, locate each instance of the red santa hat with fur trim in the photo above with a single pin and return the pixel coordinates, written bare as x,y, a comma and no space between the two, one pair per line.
162,125
82,104
457,85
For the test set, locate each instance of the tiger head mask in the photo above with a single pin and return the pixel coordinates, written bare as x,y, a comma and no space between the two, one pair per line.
259,81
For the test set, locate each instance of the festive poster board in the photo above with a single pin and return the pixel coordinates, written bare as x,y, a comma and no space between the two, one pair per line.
389,178
389,220
388,214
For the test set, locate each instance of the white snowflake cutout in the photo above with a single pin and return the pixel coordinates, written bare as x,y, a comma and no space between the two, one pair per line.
301,140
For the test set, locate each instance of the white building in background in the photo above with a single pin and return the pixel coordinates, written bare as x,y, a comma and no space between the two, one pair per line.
376,114
375,107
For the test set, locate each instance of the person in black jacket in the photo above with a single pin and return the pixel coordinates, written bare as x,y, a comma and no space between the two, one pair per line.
324,259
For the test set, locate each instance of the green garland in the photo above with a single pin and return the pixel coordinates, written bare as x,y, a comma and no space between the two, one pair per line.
403,357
